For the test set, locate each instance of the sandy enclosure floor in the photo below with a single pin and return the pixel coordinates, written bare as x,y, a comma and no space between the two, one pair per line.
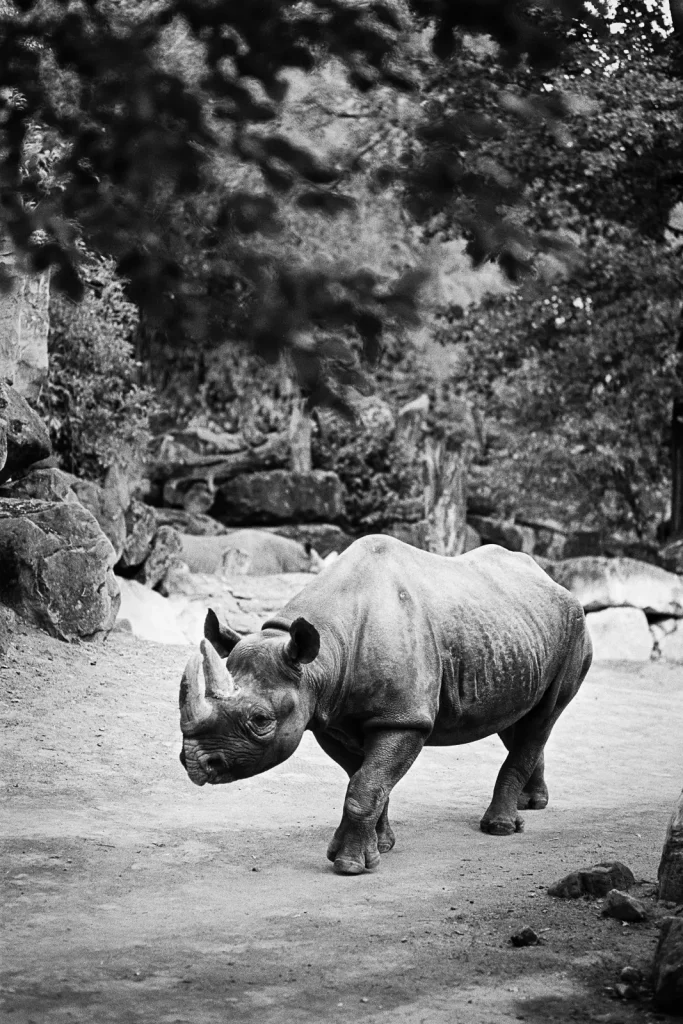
132,896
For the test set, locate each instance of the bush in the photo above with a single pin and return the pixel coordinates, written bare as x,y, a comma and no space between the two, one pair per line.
96,409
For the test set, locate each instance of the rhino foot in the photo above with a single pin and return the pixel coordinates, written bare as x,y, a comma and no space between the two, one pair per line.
501,826
534,800
352,851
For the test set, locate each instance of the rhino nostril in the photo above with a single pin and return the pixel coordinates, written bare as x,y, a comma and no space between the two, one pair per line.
216,762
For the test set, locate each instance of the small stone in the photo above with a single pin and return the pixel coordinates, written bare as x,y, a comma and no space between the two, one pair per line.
623,907
631,976
363,999
567,888
525,937
625,991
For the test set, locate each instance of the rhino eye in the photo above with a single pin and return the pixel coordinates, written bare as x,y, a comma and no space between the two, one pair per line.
261,723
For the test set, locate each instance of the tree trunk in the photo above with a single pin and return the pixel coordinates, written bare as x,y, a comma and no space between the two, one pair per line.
445,499
670,872
300,440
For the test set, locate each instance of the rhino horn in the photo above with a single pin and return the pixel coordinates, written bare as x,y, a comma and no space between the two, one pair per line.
195,709
219,682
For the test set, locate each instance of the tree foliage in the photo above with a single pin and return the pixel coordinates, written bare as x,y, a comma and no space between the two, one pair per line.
130,145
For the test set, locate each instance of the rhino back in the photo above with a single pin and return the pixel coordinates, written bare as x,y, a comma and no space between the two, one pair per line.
471,639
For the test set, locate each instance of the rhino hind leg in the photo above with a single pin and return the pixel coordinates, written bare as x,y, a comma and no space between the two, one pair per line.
534,795
520,782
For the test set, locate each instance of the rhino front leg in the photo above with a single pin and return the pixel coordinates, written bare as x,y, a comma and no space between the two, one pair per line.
351,763
364,831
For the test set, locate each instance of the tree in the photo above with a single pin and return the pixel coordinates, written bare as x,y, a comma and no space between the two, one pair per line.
584,374
128,144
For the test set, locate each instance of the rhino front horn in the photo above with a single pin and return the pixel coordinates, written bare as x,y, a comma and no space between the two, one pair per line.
219,682
195,709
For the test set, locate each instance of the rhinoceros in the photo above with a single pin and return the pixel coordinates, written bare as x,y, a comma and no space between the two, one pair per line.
388,650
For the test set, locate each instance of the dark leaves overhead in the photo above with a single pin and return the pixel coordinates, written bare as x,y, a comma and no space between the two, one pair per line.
134,140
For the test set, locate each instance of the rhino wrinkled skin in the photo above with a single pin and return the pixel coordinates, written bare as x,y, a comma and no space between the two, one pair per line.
392,648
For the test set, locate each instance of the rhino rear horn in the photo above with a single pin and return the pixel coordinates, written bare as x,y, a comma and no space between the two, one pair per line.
221,637
304,642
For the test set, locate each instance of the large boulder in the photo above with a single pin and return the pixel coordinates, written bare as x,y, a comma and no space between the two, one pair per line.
141,526
620,634
668,967
196,523
508,534
108,504
322,537
248,553
599,582
48,484
56,568
25,437
668,637
164,556
278,496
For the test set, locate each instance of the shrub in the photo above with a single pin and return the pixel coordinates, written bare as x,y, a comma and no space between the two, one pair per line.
96,409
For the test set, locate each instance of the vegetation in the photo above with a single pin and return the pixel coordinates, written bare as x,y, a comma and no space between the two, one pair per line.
96,410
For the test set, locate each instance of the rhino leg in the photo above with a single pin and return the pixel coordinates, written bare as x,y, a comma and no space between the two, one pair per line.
388,754
351,763
520,780
534,795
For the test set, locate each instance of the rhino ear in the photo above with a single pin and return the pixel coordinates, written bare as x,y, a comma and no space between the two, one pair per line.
222,638
304,642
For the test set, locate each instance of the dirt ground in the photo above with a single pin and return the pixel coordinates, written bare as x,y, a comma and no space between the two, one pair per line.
133,896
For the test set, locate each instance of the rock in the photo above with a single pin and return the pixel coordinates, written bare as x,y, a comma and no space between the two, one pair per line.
248,553
624,991
525,937
322,537
584,543
668,967
44,484
56,568
198,498
667,635
595,881
599,582
567,888
141,527
670,872
196,523
164,555
499,531
672,556
278,496
3,425
8,626
630,976
25,435
417,534
472,539
620,634
623,907
550,536
105,503
149,615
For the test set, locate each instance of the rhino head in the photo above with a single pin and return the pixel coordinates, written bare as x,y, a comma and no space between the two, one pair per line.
243,716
